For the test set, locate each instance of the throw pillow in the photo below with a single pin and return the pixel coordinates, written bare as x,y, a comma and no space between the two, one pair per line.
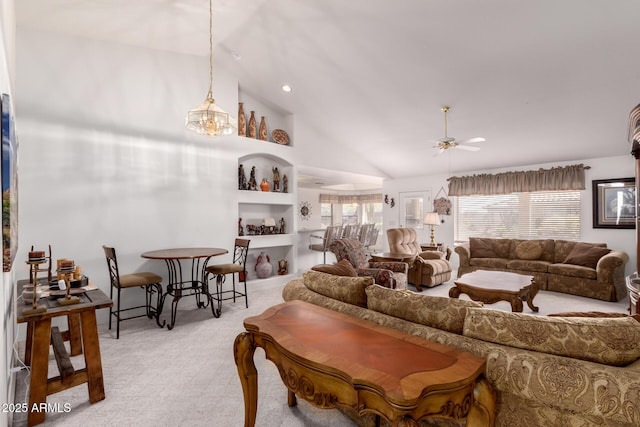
529,250
611,341
340,268
481,248
586,255
346,289
438,312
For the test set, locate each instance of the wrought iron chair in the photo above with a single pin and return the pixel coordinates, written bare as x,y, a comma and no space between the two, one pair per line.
220,271
151,282
351,231
330,234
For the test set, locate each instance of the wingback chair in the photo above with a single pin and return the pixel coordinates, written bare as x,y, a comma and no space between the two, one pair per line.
389,274
428,268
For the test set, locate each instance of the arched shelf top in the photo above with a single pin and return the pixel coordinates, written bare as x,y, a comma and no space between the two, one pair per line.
267,156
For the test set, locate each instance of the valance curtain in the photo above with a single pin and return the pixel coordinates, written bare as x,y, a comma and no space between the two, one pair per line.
554,179
350,198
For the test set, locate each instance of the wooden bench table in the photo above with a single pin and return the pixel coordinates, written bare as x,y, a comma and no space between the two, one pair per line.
334,360
83,336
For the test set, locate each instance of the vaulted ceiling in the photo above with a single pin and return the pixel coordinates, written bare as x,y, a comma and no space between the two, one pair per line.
542,81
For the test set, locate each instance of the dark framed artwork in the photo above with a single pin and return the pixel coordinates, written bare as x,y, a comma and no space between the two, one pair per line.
9,185
614,203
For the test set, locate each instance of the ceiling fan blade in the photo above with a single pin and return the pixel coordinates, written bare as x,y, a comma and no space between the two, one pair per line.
440,151
471,140
467,147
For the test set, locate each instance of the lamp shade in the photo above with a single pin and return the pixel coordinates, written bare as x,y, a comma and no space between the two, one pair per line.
432,218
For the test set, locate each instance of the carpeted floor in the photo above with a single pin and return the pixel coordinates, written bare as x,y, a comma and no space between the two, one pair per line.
187,376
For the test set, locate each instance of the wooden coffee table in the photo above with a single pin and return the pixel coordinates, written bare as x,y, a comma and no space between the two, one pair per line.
493,286
334,360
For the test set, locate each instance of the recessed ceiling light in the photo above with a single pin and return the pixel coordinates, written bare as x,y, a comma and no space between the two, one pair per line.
286,88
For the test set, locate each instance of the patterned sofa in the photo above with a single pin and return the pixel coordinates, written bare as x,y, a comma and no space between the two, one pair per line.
546,371
586,269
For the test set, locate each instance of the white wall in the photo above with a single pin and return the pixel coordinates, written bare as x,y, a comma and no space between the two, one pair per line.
602,168
7,84
105,159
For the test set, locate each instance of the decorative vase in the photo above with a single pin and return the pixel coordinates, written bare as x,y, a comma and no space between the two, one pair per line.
264,185
263,129
263,266
242,121
252,125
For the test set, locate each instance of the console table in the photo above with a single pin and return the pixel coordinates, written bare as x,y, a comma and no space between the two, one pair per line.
335,360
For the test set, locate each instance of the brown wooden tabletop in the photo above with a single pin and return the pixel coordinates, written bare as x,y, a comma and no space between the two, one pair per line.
184,253
395,375
393,256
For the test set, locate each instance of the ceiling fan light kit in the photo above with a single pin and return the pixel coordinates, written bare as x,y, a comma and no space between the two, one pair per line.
448,142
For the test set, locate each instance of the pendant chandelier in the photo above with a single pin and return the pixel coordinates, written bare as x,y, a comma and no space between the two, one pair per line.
207,118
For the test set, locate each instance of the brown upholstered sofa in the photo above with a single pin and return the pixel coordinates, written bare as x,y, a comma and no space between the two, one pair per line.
578,268
546,371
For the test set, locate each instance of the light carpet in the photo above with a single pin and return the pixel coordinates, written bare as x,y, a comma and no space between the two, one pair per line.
187,376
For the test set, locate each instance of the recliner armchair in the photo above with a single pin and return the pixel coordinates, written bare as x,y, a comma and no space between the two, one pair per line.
428,268
389,274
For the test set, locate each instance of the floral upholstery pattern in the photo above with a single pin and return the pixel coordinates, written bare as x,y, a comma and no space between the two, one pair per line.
534,388
550,269
343,288
389,274
610,341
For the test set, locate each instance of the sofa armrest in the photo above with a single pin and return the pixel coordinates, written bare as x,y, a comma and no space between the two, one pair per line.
397,267
611,261
381,276
464,253
429,255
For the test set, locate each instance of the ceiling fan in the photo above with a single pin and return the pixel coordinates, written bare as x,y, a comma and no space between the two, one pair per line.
448,142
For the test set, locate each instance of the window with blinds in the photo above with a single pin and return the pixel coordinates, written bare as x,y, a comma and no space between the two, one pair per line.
536,215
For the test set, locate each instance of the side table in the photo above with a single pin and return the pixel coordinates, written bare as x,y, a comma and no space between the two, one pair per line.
633,286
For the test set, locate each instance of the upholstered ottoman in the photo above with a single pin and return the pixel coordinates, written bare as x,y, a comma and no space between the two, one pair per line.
429,272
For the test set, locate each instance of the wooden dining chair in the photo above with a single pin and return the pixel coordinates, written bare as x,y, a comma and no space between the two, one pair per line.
151,282
220,271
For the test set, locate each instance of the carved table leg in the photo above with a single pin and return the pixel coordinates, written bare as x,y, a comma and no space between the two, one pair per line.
454,292
243,350
483,409
533,291
39,369
291,398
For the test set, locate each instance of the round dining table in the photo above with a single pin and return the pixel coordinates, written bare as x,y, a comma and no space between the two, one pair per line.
195,284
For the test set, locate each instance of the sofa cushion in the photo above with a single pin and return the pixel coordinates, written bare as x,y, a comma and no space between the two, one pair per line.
610,341
586,255
564,247
438,312
346,289
529,249
489,262
482,248
528,265
340,268
573,271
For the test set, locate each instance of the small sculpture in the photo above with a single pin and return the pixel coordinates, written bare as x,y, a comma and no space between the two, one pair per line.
282,267
282,226
242,178
253,185
240,227
263,266
285,184
276,178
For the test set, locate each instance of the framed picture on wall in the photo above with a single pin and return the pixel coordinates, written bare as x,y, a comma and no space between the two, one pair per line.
614,203
9,185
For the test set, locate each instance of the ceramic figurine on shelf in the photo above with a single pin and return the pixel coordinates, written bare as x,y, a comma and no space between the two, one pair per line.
253,131
282,267
276,178
262,133
285,184
240,227
242,178
242,121
282,226
263,266
253,185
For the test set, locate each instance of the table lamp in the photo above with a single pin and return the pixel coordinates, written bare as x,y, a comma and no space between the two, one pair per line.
432,218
